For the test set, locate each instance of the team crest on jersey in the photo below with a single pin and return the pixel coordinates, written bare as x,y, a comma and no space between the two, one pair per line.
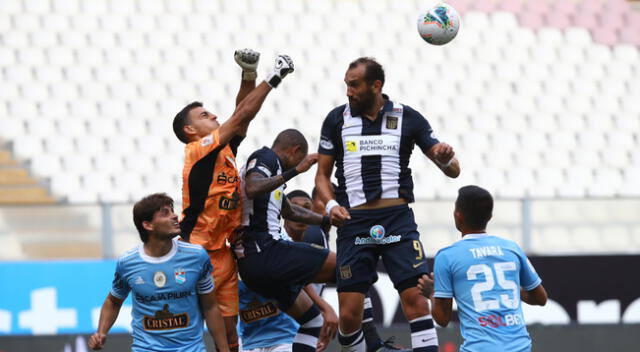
180,276
392,122
351,146
159,279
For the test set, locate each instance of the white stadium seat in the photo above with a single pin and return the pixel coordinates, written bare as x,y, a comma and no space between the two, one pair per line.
91,87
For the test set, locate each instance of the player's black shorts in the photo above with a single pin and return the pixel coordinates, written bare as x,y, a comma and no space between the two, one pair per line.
281,269
390,233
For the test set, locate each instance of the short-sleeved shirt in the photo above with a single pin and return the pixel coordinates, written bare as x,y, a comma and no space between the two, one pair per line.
262,214
261,323
166,313
484,274
372,157
210,192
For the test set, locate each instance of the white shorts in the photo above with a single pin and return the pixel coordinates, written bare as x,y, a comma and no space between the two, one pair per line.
285,347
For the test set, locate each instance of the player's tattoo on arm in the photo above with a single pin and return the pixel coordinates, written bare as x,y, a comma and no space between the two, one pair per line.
256,184
299,214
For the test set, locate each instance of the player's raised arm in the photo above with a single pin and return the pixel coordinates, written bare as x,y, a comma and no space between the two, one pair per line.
213,317
257,183
108,315
337,213
248,60
297,213
251,104
443,156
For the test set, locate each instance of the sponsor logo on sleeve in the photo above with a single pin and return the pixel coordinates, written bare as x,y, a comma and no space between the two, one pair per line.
326,143
252,164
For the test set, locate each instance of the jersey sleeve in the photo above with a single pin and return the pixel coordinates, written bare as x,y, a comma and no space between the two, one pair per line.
262,163
329,139
529,278
205,281
443,278
423,133
204,146
120,287
235,143
314,235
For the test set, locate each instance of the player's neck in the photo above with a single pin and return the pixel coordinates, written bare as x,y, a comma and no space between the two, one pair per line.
465,232
156,247
372,112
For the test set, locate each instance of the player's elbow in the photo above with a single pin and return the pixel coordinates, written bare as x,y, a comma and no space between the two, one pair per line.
440,319
538,296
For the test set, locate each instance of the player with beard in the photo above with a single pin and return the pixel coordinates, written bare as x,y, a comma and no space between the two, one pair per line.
370,141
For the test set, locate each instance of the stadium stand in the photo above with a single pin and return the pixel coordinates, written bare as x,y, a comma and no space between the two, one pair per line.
539,98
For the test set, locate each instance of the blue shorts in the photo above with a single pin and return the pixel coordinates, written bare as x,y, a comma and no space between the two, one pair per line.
281,269
390,233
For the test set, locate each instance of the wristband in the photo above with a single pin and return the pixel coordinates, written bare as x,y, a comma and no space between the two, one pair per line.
289,174
326,220
249,75
273,80
330,204
445,165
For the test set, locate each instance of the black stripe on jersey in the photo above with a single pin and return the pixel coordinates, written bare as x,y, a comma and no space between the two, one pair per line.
371,164
200,178
235,143
405,189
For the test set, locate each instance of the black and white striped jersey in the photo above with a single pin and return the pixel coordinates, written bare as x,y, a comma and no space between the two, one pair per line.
261,215
372,157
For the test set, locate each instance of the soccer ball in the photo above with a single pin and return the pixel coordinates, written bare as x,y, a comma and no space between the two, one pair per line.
439,25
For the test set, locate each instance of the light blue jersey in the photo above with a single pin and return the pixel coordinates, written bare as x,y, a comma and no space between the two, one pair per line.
261,323
166,314
484,274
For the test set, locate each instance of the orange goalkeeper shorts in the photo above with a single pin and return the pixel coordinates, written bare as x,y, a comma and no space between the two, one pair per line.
225,278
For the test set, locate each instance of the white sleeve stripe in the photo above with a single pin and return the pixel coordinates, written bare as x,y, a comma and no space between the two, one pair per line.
440,294
205,285
117,295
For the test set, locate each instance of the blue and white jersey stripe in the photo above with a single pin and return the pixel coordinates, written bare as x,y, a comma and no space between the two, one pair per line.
262,214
